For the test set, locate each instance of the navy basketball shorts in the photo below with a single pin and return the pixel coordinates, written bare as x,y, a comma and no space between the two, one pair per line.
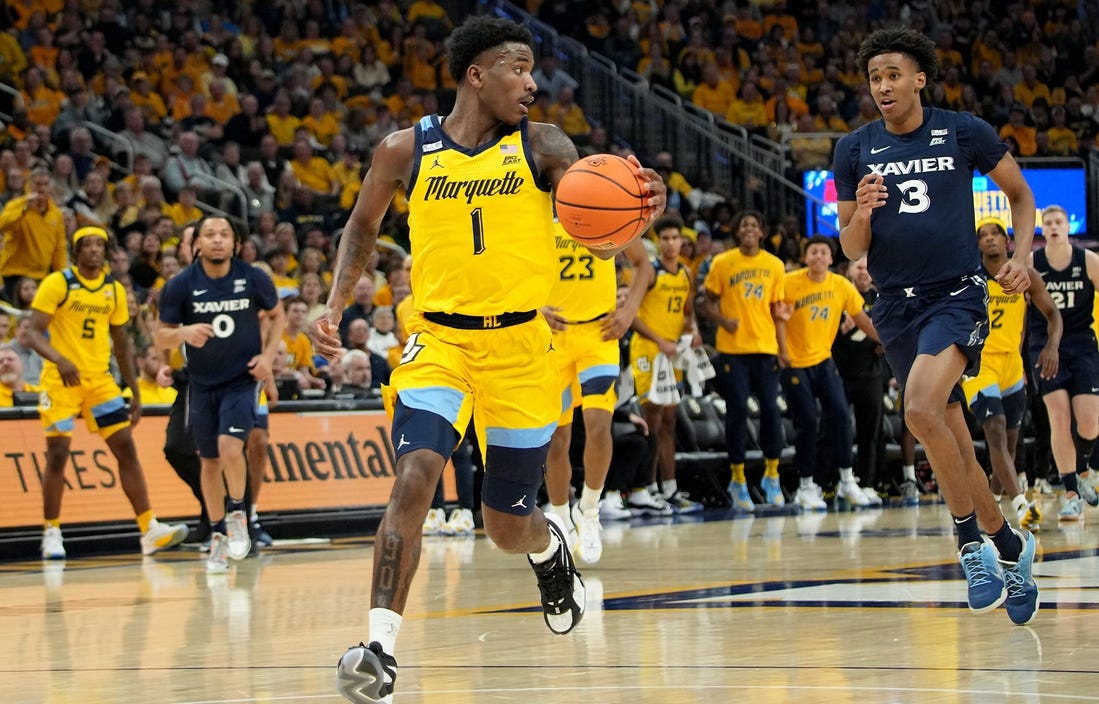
1078,369
222,410
927,321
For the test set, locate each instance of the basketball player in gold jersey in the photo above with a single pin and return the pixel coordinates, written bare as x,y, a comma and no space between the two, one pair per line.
586,324
997,395
479,184
76,315
666,313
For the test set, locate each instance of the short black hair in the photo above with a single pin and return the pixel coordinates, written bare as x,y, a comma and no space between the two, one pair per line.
667,221
750,213
901,40
821,239
477,35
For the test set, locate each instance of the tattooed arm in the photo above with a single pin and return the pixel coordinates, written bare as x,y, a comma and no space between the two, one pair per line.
390,168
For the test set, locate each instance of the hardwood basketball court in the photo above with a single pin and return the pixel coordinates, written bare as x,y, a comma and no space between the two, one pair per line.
860,607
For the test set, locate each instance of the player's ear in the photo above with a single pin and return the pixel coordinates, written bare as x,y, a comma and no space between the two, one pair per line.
921,80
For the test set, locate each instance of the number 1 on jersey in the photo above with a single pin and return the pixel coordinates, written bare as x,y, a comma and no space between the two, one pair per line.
478,231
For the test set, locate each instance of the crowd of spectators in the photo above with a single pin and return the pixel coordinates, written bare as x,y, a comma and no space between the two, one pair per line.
786,67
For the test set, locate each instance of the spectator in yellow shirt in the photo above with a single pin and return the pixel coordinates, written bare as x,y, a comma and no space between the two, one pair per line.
569,116
322,124
280,122
143,96
11,376
713,93
748,110
185,210
1023,134
299,348
152,393
32,230
313,172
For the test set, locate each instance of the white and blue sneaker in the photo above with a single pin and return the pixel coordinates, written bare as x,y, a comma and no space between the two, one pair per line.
1022,591
772,491
983,575
742,500
1086,489
1072,510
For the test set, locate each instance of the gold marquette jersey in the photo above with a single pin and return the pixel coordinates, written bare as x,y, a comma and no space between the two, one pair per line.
662,308
480,224
83,312
1006,318
817,308
746,287
585,286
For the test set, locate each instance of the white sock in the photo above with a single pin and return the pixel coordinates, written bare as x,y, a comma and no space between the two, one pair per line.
562,511
254,516
847,474
806,483
589,498
1018,502
909,472
540,557
668,487
384,626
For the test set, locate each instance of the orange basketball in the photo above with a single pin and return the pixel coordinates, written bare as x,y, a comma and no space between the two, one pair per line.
601,202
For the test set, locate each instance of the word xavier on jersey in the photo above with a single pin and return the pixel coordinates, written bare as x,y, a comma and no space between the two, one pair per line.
913,166
221,306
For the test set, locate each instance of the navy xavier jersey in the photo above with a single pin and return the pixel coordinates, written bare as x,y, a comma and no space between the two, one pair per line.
231,304
1074,294
924,234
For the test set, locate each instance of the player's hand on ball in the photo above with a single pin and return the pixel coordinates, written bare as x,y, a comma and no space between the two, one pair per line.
658,191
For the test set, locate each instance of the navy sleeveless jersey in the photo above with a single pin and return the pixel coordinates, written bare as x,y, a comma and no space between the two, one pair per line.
925,233
231,304
1071,289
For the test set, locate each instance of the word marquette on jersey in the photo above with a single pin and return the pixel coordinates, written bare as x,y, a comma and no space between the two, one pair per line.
443,188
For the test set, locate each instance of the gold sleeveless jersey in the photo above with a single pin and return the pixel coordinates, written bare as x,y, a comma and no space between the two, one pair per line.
480,224
83,312
662,308
585,285
1006,317
815,318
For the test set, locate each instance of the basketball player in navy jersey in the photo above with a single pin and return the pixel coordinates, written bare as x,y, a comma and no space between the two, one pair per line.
905,202
1071,274
228,314
479,184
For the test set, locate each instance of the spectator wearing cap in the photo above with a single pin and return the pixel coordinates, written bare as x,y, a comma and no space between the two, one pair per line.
1023,134
143,96
219,70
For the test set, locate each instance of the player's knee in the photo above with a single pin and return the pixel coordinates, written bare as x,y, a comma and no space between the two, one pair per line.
507,531
418,474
